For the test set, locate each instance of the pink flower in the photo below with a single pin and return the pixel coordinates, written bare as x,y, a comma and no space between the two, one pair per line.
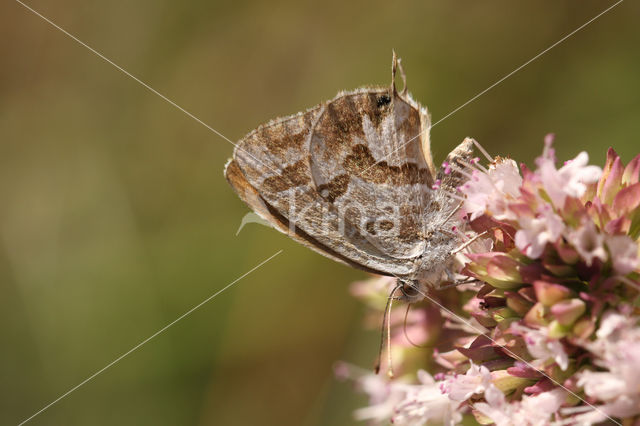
400,402
588,242
535,232
617,348
530,411
425,402
460,387
383,394
611,324
490,191
553,274
570,180
624,254
541,346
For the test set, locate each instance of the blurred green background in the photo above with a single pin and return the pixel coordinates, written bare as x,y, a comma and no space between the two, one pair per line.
115,218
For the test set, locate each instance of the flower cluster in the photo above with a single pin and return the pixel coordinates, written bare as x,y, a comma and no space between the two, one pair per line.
550,332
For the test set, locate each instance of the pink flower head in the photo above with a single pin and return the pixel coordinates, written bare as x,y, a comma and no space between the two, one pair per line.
425,402
460,387
624,254
588,241
530,411
618,350
570,180
541,346
490,191
554,279
535,232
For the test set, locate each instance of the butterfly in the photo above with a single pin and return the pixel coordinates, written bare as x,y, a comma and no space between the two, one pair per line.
353,179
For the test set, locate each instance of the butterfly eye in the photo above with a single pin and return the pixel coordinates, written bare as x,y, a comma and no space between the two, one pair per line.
409,290
383,100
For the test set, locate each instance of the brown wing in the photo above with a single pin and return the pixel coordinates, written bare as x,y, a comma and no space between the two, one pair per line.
366,157
274,160
252,198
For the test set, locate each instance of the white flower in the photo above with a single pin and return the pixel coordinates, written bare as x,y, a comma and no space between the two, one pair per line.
400,402
541,346
425,402
605,386
578,175
624,254
570,180
588,242
612,322
383,397
491,190
617,348
460,387
530,411
536,232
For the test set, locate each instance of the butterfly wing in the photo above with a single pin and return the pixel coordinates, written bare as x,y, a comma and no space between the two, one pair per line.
367,160
273,163
252,198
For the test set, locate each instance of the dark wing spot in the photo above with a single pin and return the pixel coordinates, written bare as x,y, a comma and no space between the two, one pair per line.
291,176
341,123
286,135
386,225
370,227
383,100
335,188
278,143
361,163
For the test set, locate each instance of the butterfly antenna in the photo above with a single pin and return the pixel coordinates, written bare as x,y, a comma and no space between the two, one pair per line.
442,342
396,65
406,335
404,328
385,333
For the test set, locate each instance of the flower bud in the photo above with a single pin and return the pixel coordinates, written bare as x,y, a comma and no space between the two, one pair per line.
500,314
611,179
631,173
557,330
567,253
567,312
583,328
496,268
550,293
518,303
536,315
508,383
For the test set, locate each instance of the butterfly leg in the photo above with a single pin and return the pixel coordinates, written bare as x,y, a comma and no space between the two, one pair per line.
454,211
468,243
454,282
457,283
